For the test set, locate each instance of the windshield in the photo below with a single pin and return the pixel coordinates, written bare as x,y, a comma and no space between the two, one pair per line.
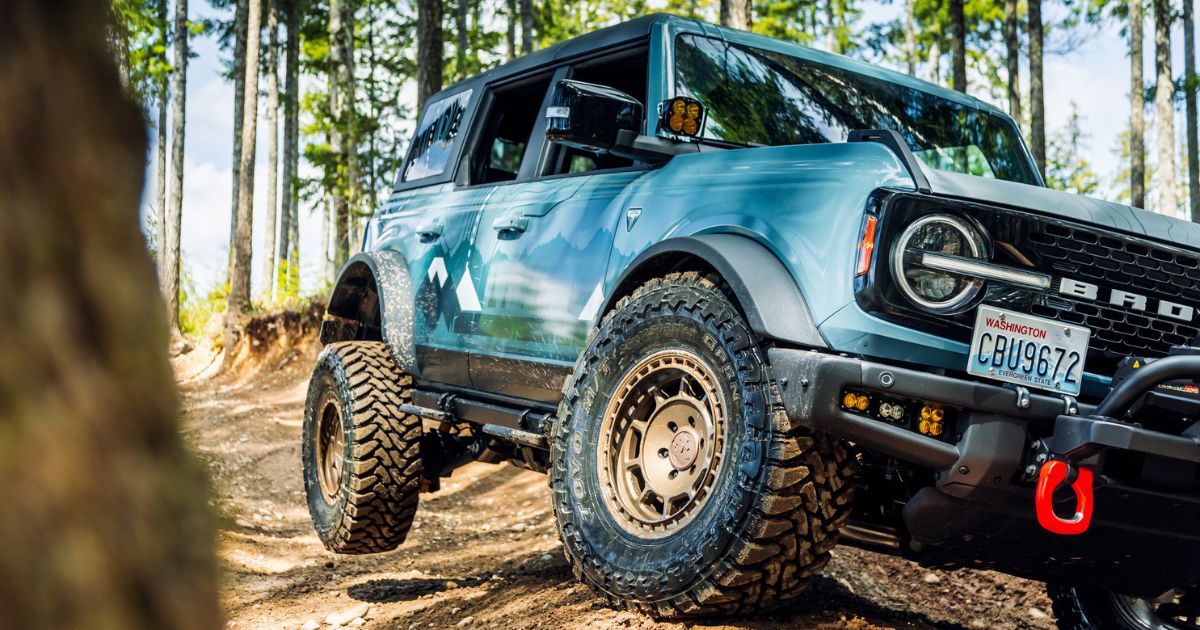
755,96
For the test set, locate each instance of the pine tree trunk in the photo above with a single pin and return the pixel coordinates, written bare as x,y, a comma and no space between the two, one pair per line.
429,48
160,192
1137,106
910,37
239,285
272,146
289,246
510,36
1164,110
958,45
1012,40
935,62
170,283
830,36
736,14
239,103
462,10
1037,96
105,522
1189,73
526,26
341,133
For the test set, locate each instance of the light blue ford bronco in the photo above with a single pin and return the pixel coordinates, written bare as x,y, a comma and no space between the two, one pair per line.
741,301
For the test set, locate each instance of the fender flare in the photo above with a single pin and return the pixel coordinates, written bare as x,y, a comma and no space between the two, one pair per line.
373,299
762,285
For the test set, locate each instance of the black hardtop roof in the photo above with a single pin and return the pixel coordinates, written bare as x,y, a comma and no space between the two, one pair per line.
596,40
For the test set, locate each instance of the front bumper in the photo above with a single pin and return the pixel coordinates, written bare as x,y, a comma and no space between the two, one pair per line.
980,510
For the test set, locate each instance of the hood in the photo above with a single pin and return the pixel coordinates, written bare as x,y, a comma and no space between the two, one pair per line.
1067,206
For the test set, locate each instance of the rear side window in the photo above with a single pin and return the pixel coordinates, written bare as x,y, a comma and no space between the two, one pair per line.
437,137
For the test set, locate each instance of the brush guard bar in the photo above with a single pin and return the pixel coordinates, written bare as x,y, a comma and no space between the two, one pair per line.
1081,438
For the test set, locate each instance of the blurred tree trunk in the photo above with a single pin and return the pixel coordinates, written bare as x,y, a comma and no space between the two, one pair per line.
510,36
243,226
341,135
240,15
160,183
910,37
1012,40
1164,110
1137,106
830,28
1037,96
526,26
958,46
463,37
935,62
736,14
289,246
429,47
174,213
1189,86
105,523
272,145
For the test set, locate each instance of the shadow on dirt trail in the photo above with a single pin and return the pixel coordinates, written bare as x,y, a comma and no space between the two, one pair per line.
483,552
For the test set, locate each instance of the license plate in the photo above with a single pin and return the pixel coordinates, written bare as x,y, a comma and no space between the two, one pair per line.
1026,350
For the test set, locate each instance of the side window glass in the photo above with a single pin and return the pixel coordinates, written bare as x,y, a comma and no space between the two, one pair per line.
507,125
436,137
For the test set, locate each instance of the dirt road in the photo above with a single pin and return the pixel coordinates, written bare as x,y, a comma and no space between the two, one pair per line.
483,552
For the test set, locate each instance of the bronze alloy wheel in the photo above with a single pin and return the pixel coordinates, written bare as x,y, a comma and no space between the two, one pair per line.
331,451
661,442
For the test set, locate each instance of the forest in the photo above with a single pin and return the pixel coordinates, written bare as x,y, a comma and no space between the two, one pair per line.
340,82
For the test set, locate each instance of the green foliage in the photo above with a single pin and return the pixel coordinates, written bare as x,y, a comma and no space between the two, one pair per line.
1066,168
200,312
138,37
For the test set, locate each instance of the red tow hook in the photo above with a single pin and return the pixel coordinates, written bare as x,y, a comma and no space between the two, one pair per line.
1053,473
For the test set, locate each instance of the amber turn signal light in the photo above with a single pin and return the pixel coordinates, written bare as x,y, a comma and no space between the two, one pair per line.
866,245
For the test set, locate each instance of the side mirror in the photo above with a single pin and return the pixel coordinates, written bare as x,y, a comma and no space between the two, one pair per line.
590,116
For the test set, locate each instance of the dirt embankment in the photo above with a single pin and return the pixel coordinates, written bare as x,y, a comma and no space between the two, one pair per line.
483,552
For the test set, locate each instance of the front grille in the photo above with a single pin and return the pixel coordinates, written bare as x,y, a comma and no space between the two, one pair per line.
1116,261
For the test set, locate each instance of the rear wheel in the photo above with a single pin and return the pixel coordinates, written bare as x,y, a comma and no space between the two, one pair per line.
1087,608
679,486
361,454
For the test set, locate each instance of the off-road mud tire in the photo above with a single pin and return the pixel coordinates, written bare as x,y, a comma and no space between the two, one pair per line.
775,510
381,471
1094,608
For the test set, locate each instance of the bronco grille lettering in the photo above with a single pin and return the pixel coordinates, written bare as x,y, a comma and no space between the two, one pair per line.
1125,299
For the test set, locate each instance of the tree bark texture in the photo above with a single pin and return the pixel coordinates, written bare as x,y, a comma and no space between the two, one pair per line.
178,127
1137,105
239,285
910,37
1189,86
429,47
272,146
736,14
526,27
958,45
1037,96
161,148
1012,41
105,523
240,15
289,246
1164,110
510,36
341,132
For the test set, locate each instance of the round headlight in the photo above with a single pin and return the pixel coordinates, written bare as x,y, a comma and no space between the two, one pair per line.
931,289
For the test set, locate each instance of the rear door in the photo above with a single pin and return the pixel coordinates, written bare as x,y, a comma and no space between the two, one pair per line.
430,220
